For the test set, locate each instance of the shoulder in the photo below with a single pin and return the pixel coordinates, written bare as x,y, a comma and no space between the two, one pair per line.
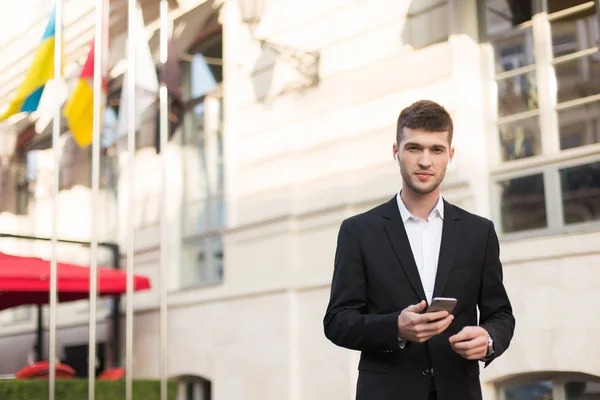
372,216
474,221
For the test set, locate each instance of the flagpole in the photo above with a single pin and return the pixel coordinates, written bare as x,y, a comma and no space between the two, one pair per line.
97,117
58,25
164,126
131,51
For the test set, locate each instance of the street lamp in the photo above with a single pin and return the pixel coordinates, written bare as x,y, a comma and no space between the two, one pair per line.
305,62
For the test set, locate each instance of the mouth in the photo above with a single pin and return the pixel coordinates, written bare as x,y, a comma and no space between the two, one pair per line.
424,176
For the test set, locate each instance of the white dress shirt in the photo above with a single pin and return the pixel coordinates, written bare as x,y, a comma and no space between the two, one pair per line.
425,238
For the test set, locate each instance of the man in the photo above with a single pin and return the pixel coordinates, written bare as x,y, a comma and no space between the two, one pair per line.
393,260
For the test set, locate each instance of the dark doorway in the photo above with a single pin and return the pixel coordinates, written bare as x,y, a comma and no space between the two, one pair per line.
77,357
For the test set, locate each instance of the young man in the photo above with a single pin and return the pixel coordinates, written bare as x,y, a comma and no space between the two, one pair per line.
393,260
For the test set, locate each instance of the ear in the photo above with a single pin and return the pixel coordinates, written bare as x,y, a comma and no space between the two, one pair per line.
451,155
395,153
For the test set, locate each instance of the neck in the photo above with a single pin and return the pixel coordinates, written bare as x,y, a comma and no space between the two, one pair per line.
419,205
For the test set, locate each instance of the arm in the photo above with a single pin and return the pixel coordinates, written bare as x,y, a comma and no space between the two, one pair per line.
346,321
495,310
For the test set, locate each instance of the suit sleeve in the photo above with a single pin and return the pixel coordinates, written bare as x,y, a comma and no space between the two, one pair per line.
495,310
346,322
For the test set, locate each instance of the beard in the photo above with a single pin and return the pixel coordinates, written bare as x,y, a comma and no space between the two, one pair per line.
421,188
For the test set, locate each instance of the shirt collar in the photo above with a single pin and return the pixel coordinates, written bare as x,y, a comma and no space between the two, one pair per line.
438,209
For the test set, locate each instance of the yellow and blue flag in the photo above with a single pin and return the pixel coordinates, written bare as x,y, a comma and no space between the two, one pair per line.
41,71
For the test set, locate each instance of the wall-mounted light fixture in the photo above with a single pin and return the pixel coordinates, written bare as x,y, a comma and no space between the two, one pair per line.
305,62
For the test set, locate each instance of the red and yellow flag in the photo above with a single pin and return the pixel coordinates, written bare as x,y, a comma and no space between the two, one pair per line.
79,110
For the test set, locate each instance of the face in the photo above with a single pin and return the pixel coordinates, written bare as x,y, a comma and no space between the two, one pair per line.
423,157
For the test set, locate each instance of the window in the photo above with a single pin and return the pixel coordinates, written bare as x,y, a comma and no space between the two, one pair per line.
427,23
547,76
194,388
22,191
15,190
203,210
560,386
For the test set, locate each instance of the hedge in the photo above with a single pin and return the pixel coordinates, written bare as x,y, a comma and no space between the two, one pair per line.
77,389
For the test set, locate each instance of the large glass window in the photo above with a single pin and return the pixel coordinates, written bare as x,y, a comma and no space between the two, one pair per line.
523,203
427,23
194,388
580,189
547,76
203,209
541,390
558,386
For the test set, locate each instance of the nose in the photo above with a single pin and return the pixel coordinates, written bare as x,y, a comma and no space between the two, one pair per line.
425,160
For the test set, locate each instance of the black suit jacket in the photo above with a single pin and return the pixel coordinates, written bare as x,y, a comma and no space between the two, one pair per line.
375,277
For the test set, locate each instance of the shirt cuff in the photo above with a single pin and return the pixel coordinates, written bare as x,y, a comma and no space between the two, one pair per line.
401,343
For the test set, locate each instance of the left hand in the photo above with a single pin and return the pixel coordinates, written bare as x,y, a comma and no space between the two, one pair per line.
470,343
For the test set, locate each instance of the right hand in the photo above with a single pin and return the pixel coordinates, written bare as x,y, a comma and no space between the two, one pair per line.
419,328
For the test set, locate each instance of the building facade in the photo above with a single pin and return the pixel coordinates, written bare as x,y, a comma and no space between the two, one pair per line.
288,130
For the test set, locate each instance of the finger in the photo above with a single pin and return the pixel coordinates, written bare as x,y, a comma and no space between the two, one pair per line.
472,354
441,325
475,354
417,308
461,346
427,331
429,318
445,323
432,327
465,334
478,342
469,356
434,316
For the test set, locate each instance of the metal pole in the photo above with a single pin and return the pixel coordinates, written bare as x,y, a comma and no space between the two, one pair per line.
39,350
597,8
164,137
131,73
98,77
116,316
55,181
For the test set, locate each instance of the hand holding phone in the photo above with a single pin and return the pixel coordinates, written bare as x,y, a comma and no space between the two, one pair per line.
442,304
417,327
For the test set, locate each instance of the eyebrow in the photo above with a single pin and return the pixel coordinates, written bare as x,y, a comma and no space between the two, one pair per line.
439,146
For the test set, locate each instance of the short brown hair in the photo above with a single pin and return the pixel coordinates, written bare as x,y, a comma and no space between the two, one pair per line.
426,115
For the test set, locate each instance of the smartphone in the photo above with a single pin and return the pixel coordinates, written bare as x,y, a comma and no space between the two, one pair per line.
442,304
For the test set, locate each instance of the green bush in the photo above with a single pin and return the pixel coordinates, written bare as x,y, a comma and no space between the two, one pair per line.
77,389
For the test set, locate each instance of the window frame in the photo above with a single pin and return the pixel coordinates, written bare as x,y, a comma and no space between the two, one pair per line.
558,380
430,9
200,386
551,158
213,128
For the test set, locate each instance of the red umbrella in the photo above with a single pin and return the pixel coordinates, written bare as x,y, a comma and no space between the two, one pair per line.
26,280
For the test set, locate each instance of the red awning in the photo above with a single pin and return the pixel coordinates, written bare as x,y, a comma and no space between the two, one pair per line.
26,280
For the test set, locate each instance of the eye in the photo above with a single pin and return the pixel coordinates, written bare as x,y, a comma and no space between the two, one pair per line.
412,148
438,150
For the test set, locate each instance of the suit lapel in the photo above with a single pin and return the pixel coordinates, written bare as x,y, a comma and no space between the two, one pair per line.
450,236
394,227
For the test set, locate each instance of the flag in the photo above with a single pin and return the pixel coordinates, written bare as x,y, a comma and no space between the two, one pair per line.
79,110
146,80
41,71
170,76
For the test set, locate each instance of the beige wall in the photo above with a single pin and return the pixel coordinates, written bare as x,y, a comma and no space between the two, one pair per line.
240,344
553,283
